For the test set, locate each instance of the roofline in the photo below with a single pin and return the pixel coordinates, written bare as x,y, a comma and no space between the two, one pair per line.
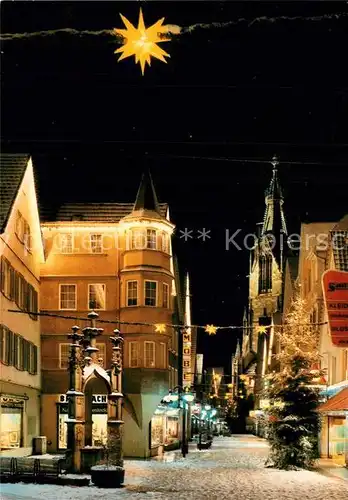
4,225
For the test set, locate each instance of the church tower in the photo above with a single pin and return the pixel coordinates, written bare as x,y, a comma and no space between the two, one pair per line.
265,285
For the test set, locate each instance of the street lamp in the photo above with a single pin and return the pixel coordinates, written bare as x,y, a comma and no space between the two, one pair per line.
184,397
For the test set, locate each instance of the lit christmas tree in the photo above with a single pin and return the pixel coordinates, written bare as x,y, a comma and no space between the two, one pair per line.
294,422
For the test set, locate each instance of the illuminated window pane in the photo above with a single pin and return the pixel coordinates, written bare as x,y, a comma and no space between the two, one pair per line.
150,293
133,354
132,293
96,243
66,243
67,296
151,238
165,295
149,354
96,297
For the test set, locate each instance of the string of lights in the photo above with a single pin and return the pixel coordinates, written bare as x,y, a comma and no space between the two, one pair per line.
161,327
173,30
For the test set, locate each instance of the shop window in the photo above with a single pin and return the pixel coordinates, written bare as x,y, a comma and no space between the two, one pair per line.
150,293
11,423
134,355
172,429
99,426
96,243
156,431
96,296
132,293
151,239
149,354
165,295
67,297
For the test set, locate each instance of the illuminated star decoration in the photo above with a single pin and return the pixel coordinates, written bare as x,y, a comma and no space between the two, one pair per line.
160,328
142,42
211,329
262,329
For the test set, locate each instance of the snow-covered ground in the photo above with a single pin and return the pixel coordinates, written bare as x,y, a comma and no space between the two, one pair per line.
232,469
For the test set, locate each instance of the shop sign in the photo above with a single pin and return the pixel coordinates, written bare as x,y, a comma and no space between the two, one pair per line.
335,288
96,398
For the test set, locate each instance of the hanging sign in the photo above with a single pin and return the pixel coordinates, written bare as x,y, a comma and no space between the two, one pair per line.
335,287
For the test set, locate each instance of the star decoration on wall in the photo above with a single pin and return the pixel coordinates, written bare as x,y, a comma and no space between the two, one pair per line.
211,329
142,42
262,329
160,328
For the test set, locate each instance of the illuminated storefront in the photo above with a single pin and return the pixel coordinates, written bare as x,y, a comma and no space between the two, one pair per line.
165,427
334,433
11,422
99,417
157,430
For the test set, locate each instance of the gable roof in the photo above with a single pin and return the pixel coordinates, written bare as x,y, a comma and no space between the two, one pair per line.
96,212
339,402
12,170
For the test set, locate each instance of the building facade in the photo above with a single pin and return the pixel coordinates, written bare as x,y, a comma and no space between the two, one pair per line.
115,259
266,289
21,252
334,359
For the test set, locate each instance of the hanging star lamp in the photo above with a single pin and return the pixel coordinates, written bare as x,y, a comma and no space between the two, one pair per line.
142,42
262,329
211,329
160,328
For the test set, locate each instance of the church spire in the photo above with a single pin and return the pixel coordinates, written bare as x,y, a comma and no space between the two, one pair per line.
146,197
274,191
274,219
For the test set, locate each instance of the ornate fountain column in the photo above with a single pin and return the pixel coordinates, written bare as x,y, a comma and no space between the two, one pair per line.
90,334
76,407
115,421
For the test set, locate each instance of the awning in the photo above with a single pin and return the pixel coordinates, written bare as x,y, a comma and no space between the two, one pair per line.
339,402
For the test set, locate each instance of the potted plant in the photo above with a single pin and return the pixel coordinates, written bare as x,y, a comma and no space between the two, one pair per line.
109,472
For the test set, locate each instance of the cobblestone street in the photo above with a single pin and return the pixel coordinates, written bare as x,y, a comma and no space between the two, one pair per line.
232,469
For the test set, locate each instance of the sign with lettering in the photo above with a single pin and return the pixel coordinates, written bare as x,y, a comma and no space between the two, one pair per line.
335,288
96,398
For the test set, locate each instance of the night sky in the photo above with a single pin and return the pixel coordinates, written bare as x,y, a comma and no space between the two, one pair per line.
274,80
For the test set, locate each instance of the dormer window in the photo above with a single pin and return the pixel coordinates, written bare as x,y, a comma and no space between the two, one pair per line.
66,243
96,243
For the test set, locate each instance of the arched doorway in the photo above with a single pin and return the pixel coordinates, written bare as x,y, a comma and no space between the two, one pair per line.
96,413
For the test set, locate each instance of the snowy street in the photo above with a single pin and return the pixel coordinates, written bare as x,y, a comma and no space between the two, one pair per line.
232,469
